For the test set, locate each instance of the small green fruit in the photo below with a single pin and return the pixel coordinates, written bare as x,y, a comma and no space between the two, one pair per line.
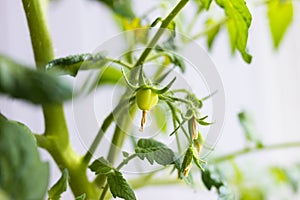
146,99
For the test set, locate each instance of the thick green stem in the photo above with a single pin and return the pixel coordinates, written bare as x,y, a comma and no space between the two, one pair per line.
40,37
56,137
244,151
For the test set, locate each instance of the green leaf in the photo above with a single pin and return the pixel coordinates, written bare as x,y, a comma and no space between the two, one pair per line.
247,124
22,174
119,187
36,86
212,178
59,187
280,15
238,23
153,150
212,33
70,65
101,166
81,197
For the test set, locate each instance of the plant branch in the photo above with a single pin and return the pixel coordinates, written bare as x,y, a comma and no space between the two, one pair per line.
107,122
120,62
125,161
244,151
103,194
165,23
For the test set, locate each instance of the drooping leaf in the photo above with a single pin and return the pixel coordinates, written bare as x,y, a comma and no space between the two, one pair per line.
238,23
156,151
249,129
81,197
70,65
101,166
280,15
36,86
212,33
119,187
59,187
22,174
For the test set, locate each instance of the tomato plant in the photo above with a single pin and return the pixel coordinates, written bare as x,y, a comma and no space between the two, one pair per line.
179,111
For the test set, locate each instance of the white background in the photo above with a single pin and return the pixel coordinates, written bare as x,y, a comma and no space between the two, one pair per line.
268,88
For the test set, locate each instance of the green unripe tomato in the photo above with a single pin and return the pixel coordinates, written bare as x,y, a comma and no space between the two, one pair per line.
146,99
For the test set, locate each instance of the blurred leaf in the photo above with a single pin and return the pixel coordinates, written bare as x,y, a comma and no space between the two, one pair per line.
38,87
153,150
101,166
161,114
211,178
212,33
225,193
110,75
286,176
81,197
138,31
280,14
22,174
3,195
72,64
251,193
119,186
59,187
120,7
249,129
204,3
238,23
